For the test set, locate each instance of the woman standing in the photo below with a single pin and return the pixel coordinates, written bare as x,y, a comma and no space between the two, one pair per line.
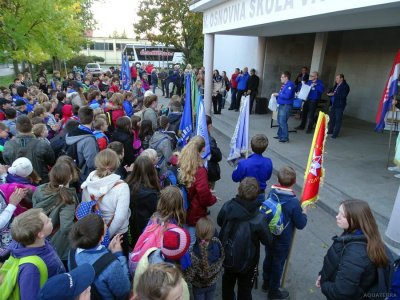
350,265
145,188
193,175
217,92
111,192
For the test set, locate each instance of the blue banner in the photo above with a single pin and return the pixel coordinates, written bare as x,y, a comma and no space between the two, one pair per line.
125,74
186,126
202,129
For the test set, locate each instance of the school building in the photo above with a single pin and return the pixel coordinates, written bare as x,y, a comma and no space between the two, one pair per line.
357,38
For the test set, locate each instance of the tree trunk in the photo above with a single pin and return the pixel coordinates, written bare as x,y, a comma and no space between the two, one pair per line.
30,67
16,67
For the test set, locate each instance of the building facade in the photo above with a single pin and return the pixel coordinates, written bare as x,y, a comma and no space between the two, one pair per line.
356,38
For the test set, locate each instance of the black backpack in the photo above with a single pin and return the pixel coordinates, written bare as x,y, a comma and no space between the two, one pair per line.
239,248
99,266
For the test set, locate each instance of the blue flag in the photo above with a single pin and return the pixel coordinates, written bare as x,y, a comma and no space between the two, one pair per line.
202,127
125,74
240,139
186,126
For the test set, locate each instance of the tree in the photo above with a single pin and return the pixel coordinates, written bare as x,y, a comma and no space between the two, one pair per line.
170,22
35,31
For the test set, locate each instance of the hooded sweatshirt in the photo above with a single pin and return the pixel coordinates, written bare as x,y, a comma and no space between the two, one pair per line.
62,215
238,209
115,201
174,120
87,149
28,274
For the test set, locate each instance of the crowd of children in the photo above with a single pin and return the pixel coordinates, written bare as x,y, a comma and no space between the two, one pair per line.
100,199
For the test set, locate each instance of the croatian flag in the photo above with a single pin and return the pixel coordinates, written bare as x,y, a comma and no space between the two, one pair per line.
389,94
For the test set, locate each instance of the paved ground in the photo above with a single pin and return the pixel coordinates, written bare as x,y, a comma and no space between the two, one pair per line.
310,244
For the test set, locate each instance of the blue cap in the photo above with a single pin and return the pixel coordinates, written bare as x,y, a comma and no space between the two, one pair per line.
68,286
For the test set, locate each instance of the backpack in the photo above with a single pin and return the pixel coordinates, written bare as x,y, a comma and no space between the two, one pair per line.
272,209
395,284
110,123
235,236
169,178
99,266
93,207
151,237
58,143
9,275
25,151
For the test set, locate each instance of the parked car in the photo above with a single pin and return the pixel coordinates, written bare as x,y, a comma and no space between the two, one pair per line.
93,68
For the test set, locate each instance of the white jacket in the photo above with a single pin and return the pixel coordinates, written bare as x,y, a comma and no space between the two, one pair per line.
114,203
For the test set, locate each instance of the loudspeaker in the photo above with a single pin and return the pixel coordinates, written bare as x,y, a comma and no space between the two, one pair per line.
261,105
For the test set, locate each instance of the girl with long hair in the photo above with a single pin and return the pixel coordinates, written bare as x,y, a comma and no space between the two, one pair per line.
193,175
145,133
114,109
145,188
123,134
207,256
58,201
350,265
111,192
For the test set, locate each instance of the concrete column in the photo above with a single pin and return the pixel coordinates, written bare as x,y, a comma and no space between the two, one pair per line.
319,51
209,67
262,42
393,229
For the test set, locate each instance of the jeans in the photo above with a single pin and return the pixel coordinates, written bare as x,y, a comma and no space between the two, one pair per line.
244,281
217,103
275,257
283,116
239,98
206,293
252,97
164,87
154,88
309,109
192,233
335,120
233,98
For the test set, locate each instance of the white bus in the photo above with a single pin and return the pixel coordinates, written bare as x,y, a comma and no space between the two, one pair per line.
159,56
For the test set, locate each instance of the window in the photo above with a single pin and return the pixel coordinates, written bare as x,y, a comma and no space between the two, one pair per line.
110,46
99,46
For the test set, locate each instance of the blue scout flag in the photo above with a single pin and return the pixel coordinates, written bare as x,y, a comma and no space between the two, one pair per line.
202,127
125,74
186,126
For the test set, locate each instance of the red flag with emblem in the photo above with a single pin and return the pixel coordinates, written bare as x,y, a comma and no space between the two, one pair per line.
314,171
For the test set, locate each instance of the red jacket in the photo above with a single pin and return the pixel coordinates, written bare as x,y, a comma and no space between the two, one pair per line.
200,197
113,89
234,84
116,114
133,72
149,68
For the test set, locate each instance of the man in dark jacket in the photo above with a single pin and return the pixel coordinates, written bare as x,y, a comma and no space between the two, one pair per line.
244,208
175,116
338,95
25,144
214,172
252,87
86,144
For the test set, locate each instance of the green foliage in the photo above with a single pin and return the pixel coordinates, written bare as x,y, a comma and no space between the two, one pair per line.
171,23
36,31
6,80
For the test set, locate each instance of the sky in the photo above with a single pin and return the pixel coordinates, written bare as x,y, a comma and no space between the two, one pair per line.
114,15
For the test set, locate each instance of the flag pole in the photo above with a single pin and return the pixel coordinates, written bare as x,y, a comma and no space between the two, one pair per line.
390,136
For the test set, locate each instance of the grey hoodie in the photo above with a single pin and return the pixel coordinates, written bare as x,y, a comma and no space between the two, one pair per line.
87,149
162,143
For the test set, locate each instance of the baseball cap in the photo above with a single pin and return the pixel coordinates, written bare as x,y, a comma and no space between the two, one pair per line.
175,243
21,167
4,101
68,286
19,102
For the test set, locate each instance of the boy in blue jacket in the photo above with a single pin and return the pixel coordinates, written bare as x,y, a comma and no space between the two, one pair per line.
293,217
256,165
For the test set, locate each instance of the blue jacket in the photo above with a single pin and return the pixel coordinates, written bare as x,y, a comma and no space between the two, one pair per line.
113,282
256,166
242,81
29,106
339,99
128,108
286,95
316,91
293,215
